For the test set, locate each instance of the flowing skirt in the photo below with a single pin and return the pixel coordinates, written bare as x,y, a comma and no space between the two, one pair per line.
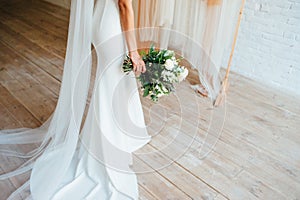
95,164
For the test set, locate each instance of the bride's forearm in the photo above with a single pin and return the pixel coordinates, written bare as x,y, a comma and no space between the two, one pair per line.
127,23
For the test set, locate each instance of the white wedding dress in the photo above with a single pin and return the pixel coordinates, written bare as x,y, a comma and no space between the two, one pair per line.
92,162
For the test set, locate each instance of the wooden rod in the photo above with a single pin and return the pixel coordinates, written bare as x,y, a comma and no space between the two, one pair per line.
234,40
213,2
220,98
139,14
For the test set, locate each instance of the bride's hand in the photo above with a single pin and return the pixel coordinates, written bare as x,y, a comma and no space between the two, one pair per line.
138,63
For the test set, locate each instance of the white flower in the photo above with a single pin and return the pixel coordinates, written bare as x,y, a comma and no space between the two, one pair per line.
174,61
164,89
168,53
169,65
168,76
183,74
161,90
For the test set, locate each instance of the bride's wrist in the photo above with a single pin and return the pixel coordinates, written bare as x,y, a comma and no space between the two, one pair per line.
134,54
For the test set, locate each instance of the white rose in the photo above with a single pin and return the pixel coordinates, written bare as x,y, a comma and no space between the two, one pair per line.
169,65
183,74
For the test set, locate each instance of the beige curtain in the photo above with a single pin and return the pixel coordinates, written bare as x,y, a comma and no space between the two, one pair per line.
201,30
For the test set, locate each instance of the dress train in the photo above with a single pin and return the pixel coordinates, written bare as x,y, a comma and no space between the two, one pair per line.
95,163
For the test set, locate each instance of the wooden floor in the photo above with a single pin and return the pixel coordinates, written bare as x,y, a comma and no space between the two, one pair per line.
253,146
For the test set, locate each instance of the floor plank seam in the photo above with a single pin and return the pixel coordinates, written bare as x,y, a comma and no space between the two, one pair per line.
157,171
196,176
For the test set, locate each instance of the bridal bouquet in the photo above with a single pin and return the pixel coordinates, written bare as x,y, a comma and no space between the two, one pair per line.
163,70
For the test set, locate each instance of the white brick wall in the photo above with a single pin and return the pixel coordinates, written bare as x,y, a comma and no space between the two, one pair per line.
268,45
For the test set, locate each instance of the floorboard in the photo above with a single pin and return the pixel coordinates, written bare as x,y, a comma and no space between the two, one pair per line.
251,151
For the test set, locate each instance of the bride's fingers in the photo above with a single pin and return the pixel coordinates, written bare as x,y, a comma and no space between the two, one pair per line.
137,72
134,68
143,68
138,68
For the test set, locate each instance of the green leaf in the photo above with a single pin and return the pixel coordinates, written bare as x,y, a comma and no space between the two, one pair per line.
146,91
143,53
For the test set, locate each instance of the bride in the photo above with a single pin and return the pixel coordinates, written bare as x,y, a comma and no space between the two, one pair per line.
89,159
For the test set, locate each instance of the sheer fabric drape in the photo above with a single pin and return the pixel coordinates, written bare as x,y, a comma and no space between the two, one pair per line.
201,30
194,24
57,137
62,163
